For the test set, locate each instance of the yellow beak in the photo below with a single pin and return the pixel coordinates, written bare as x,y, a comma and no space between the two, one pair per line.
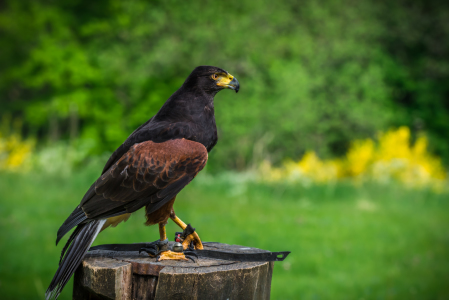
228,81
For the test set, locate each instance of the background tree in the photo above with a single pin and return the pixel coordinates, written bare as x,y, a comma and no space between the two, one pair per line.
314,74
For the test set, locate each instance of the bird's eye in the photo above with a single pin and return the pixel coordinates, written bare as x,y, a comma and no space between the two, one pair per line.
214,77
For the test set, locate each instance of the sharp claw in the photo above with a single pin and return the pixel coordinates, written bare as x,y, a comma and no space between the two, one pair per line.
190,253
191,258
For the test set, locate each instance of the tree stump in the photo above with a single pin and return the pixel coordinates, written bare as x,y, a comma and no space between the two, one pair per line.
130,275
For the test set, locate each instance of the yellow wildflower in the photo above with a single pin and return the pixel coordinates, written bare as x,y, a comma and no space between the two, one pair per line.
393,157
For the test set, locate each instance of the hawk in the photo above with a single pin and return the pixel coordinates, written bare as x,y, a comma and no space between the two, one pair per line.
148,170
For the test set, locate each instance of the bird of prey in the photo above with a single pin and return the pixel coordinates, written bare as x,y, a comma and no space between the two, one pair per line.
148,170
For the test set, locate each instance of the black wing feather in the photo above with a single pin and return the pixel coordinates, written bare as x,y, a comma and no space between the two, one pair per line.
149,174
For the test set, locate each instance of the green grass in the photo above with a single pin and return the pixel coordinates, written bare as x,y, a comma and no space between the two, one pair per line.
367,242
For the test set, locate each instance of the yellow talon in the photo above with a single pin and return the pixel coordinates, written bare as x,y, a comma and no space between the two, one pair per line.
196,242
170,255
191,237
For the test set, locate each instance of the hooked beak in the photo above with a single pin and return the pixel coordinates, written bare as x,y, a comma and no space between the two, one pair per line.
234,85
229,82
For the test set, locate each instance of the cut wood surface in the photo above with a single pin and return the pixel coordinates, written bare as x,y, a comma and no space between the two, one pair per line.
130,275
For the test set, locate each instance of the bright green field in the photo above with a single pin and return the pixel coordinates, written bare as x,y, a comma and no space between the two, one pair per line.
370,242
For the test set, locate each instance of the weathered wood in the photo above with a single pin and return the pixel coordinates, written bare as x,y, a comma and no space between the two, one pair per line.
103,277
130,275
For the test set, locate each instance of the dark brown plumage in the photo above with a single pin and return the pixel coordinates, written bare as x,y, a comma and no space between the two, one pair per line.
149,169
149,174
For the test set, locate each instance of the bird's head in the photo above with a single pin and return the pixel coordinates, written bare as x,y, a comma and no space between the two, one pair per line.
211,80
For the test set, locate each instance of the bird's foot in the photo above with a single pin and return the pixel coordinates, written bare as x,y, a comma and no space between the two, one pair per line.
189,239
159,249
171,255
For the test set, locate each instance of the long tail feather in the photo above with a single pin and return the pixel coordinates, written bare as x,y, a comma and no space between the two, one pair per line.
69,241
80,241
75,218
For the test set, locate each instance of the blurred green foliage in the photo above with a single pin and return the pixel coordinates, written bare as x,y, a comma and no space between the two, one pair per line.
314,74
